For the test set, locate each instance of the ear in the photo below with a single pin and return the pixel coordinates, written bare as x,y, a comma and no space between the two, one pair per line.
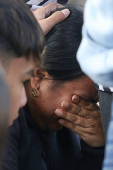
35,81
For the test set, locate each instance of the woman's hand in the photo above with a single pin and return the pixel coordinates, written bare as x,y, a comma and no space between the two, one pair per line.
82,117
47,23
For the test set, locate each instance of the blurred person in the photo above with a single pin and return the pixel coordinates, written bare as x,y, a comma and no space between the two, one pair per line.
96,35
105,100
17,59
4,110
95,58
36,139
21,45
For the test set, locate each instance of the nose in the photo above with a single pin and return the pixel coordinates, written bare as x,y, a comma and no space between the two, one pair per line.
23,99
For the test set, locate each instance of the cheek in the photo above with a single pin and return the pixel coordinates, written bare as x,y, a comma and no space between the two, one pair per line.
52,100
46,105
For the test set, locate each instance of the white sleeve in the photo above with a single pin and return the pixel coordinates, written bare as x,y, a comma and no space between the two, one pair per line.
95,54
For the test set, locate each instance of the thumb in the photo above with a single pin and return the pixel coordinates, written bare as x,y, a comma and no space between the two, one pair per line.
48,23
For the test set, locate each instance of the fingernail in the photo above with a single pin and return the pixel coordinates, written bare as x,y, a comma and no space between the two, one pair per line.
65,104
61,121
75,98
58,112
66,12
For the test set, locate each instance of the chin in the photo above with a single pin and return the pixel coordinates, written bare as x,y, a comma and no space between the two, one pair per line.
54,126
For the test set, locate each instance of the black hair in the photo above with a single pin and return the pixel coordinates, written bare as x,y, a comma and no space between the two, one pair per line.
20,33
61,47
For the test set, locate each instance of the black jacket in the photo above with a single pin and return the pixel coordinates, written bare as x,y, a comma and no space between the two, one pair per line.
29,148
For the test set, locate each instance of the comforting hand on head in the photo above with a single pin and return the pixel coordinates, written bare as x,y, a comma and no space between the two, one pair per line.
47,23
82,117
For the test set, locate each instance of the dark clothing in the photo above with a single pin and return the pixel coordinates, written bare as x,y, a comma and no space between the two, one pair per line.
29,148
105,99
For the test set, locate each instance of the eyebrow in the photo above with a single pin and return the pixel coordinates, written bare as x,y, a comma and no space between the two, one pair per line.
30,72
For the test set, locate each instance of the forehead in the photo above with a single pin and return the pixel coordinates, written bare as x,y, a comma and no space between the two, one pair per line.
22,64
83,87
23,61
18,68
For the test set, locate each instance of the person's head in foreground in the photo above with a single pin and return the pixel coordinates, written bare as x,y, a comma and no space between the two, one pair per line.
21,43
62,77
4,110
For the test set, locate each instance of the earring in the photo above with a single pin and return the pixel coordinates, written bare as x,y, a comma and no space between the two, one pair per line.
35,92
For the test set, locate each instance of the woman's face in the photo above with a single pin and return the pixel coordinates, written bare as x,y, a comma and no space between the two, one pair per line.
43,107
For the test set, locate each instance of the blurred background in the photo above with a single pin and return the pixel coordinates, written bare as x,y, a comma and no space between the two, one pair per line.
79,2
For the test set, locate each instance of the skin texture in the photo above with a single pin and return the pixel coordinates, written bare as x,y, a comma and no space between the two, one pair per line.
15,77
42,108
83,117
47,23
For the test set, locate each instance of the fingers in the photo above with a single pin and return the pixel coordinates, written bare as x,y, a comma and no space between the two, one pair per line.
81,131
48,23
73,118
94,137
84,103
51,8
78,110
83,118
43,12
74,109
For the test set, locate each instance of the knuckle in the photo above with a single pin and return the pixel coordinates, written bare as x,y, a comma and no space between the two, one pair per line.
68,106
72,108
78,121
64,115
79,111
74,118
73,127
91,125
